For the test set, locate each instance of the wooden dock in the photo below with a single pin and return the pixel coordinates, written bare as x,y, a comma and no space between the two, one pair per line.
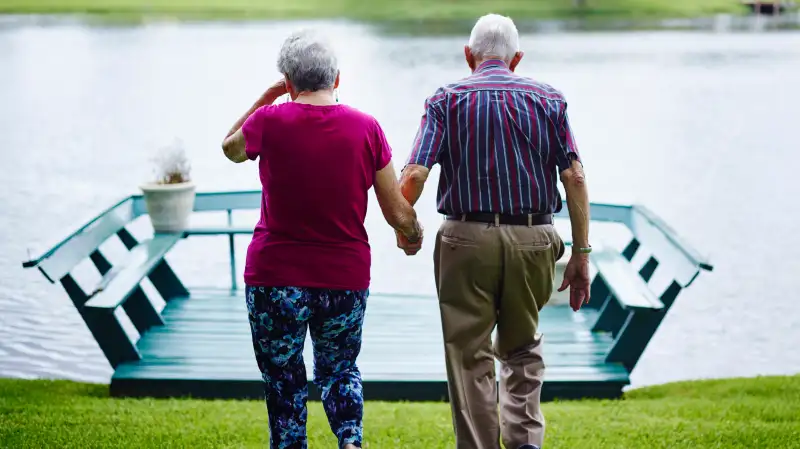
204,349
199,344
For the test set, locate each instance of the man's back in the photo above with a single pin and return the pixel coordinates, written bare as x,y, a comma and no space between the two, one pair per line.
503,137
502,141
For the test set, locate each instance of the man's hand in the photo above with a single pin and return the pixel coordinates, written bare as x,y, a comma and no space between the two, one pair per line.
576,277
407,245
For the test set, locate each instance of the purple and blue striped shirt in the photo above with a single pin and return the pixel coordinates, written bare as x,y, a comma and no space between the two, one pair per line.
501,139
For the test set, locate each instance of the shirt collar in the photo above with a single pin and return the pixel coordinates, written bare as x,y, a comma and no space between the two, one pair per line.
491,64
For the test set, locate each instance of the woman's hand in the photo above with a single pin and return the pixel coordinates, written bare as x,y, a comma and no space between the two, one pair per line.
410,244
274,92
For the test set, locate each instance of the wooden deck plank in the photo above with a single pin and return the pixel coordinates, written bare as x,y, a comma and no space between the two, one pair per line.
219,372
206,343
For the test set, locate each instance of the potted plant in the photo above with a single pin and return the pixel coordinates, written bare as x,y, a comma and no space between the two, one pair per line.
170,198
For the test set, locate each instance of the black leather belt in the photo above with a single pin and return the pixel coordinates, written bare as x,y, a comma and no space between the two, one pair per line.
518,220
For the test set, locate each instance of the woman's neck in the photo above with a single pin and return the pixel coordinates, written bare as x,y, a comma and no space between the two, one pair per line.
318,98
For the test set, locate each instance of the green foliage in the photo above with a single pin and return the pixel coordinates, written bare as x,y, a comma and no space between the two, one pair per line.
376,9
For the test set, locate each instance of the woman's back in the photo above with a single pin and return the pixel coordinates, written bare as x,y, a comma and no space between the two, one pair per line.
317,164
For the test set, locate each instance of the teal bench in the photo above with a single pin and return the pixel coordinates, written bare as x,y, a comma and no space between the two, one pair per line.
119,285
631,306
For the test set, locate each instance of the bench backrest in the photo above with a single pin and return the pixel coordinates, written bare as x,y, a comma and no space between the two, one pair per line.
57,261
665,247
119,285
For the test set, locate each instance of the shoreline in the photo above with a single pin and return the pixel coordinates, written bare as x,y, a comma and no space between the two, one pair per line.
434,27
376,10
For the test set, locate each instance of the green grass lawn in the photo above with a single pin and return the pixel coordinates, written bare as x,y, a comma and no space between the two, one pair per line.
737,413
375,9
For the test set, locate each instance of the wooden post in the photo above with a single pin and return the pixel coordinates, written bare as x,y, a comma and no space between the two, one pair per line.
232,251
612,317
105,328
638,330
138,307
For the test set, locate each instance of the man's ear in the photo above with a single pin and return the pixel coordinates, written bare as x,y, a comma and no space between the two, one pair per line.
336,83
469,57
515,60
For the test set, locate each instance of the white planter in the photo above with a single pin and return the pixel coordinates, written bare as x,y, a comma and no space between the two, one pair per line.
169,205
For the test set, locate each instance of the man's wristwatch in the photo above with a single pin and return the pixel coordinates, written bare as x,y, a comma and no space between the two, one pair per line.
586,250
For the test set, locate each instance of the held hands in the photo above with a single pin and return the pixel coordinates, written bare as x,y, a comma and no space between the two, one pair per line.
412,245
576,277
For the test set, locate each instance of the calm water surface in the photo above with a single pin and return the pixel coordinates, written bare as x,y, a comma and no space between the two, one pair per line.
700,126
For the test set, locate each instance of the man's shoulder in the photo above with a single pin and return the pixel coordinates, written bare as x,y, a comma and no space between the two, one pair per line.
542,89
511,81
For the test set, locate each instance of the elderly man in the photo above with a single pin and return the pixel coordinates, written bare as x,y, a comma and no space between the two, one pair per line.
501,140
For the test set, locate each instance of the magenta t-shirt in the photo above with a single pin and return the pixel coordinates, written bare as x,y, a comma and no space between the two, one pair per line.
316,164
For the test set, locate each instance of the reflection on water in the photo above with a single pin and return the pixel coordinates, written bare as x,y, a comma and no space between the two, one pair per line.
700,126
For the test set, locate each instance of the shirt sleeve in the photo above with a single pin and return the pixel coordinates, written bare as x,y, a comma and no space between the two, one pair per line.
567,150
430,135
254,130
381,148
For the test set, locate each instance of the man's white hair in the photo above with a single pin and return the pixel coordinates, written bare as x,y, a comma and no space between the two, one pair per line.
494,36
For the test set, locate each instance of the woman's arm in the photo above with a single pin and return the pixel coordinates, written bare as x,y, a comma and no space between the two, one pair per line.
234,143
396,210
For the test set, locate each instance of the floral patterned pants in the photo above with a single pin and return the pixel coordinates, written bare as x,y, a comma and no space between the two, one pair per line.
279,319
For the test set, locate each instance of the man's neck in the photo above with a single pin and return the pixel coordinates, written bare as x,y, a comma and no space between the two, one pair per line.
480,62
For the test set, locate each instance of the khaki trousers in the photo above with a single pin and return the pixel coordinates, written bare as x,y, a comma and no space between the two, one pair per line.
494,275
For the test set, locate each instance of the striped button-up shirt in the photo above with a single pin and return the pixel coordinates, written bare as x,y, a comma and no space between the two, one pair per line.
501,139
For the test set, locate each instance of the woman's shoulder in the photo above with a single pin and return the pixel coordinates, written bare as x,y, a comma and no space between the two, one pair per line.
357,115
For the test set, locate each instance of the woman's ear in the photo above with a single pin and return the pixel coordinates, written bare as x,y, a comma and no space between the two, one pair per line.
289,88
336,83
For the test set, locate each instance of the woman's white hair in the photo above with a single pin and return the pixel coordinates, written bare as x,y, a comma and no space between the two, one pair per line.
308,60
494,36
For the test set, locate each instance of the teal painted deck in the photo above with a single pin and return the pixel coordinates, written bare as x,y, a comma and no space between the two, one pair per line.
199,344
204,350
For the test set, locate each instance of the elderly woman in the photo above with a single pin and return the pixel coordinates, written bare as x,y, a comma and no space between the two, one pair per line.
308,265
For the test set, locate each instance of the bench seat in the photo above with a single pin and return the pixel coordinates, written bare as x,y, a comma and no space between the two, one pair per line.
624,282
122,281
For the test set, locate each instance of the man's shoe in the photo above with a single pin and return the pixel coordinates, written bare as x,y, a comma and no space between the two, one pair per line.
529,446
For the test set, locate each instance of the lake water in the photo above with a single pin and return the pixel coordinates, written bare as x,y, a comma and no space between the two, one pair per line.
700,126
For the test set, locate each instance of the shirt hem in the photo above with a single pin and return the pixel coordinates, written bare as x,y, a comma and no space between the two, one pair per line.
320,285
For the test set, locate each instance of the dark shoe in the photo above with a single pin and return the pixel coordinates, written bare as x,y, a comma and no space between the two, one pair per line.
529,446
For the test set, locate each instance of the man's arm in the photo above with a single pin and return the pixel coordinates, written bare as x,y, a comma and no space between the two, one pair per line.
412,181
396,210
426,149
574,180
234,145
576,273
